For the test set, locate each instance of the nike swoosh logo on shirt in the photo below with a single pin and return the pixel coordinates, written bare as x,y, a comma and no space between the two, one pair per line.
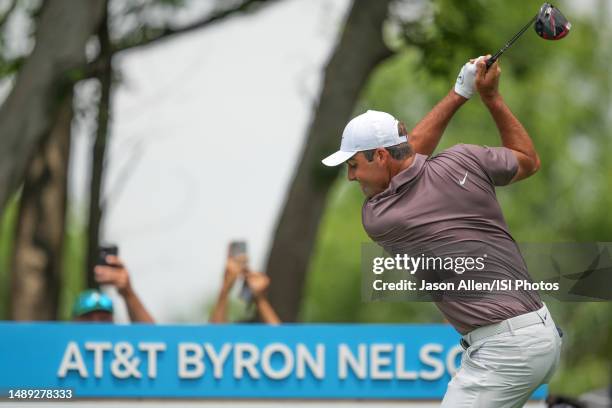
462,182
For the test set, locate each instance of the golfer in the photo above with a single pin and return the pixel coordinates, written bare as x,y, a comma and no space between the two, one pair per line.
511,343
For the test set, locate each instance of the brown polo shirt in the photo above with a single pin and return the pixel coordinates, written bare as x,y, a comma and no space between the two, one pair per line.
449,201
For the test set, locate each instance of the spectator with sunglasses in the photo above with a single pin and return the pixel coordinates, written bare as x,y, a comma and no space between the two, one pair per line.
95,306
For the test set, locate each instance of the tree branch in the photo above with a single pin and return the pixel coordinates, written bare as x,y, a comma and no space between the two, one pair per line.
95,67
153,36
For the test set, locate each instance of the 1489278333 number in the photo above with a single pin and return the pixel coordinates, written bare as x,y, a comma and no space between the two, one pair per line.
39,394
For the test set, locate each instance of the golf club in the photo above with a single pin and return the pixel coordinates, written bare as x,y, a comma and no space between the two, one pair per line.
550,24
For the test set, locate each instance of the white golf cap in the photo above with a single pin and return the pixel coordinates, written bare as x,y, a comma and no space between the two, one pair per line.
365,132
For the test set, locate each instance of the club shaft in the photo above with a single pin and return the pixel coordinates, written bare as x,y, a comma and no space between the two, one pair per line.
494,58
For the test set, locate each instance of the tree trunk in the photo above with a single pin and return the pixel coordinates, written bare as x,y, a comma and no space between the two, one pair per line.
360,49
30,109
98,155
36,268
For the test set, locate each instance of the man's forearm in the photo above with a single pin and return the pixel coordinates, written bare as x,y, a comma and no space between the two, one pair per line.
425,136
219,313
513,134
266,311
138,313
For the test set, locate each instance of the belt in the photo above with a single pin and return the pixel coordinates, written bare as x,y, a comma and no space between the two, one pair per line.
541,315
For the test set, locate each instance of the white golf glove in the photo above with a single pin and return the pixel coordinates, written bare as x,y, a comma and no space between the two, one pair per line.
465,80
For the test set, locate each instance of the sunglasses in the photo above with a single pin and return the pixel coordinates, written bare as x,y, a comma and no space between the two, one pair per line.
90,301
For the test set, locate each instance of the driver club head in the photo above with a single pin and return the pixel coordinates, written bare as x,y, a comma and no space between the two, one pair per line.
551,24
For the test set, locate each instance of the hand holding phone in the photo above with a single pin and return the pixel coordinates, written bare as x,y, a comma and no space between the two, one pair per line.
111,273
236,264
104,251
238,253
257,283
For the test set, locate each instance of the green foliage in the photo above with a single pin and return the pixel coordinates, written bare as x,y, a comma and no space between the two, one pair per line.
561,93
73,279
7,231
9,66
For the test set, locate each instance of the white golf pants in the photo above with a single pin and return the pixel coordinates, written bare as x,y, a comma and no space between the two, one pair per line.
504,369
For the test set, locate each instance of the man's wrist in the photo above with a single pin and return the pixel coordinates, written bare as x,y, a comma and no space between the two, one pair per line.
491,98
457,98
126,292
258,296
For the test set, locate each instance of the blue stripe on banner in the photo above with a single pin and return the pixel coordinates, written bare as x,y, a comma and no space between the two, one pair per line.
336,361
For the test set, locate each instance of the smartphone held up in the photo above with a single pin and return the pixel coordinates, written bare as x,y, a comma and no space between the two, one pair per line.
238,251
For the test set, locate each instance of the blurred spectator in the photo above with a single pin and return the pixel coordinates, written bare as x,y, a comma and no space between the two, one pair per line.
257,282
95,306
